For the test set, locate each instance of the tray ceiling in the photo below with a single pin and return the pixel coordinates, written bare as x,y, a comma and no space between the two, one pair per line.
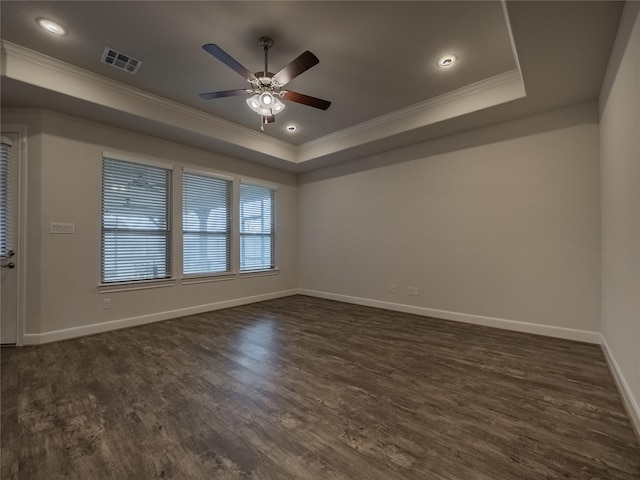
377,67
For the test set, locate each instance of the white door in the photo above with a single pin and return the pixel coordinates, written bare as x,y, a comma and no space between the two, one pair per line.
9,145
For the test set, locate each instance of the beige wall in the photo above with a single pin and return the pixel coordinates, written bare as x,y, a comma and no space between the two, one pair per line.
502,222
620,156
495,225
63,271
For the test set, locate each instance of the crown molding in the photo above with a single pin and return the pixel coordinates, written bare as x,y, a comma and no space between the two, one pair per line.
18,61
421,107
34,68
484,94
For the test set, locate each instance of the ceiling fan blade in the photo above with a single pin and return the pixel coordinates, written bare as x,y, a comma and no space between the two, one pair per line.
301,64
225,93
306,100
228,60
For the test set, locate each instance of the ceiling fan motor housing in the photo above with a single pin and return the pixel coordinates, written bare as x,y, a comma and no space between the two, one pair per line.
265,42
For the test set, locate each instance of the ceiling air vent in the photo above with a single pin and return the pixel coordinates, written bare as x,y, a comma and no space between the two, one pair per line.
120,60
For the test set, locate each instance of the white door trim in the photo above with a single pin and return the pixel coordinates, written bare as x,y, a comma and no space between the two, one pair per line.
21,254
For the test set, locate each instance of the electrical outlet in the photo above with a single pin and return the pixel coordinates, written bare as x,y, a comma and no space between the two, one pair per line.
393,288
106,303
413,291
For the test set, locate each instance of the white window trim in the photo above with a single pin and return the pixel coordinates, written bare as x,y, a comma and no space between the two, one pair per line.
219,277
126,157
208,173
22,258
147,283
261,271
136,285
187,279
258,183
235,233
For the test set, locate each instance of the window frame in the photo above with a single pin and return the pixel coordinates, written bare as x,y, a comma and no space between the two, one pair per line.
272,235
6,198
167,232
204,276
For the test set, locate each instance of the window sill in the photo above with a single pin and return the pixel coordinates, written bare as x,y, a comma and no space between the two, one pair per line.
141,285
209,278
260,273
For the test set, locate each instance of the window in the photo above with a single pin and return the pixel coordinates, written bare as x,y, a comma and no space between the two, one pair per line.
257,227
5,198
136,236
206,224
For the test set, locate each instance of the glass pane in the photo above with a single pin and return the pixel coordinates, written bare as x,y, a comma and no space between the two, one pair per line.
134,256
205,253
135,222
134,196
257,227
256,252
206,224
4,199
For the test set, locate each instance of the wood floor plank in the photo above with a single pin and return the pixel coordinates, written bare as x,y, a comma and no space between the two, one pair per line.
303,388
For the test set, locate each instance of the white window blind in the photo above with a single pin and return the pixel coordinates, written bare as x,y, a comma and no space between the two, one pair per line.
136,236
5,198
257,227
206,224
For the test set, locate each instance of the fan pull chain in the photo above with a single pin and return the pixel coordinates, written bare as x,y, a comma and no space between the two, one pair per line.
266,53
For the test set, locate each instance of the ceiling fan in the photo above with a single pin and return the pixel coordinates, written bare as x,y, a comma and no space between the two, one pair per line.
266,88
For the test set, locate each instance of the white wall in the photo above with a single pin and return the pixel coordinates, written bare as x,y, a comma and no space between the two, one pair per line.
620,157
63,271
495,226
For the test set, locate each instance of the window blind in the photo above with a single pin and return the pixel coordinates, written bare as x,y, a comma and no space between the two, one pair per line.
257,227
5,198
206,224
136,236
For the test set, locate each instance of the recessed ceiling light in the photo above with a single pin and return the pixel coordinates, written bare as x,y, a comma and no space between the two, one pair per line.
291,128
447,60
51,26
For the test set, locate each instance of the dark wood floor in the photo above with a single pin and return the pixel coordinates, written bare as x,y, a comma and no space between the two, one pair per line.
302,388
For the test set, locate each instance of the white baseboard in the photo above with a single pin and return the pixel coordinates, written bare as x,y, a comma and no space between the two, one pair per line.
630,402
547,330
74,332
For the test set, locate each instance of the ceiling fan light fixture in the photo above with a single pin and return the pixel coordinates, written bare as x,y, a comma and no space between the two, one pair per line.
278,106
266,99
267,108
254,103
265,104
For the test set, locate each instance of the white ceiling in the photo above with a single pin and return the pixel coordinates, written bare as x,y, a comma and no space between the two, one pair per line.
377,67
